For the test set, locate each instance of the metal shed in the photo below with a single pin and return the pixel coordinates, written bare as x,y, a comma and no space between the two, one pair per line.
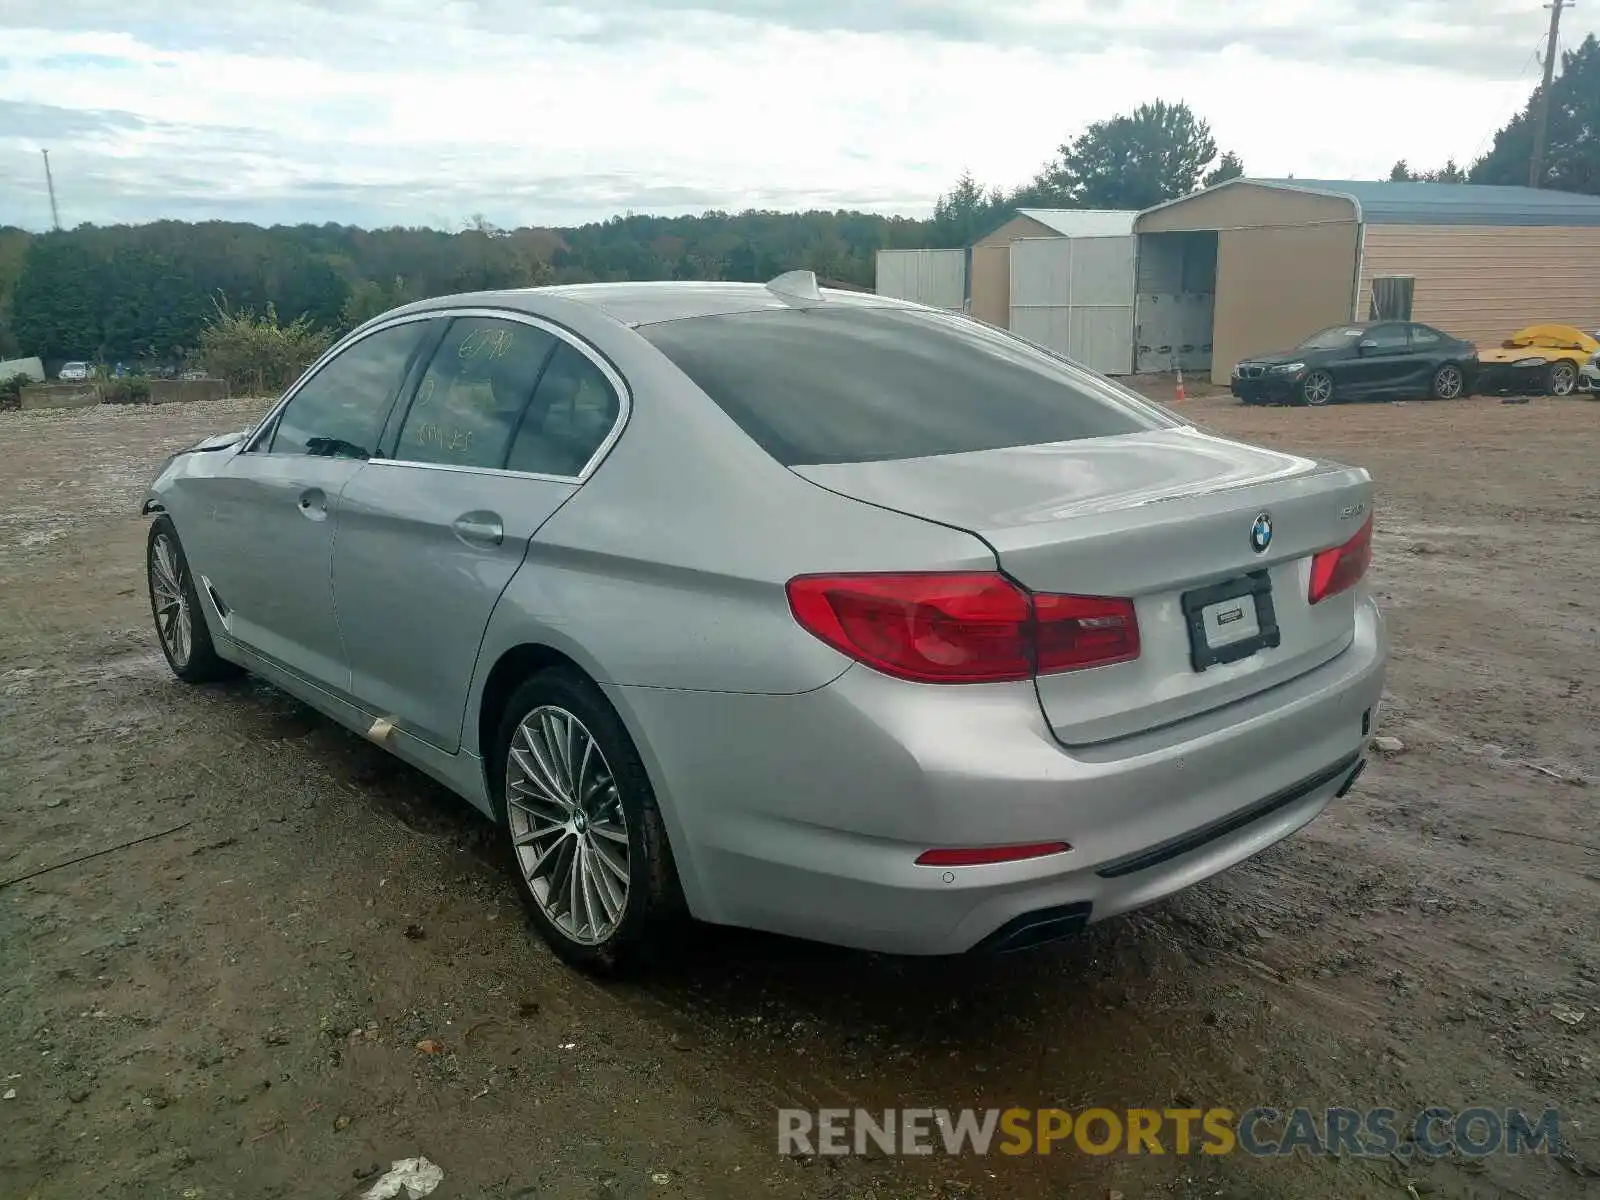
1253,265
1062,278
933,277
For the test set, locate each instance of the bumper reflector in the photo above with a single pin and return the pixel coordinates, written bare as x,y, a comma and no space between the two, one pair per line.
981,855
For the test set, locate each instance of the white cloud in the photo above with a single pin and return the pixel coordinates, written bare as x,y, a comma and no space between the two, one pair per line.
417,111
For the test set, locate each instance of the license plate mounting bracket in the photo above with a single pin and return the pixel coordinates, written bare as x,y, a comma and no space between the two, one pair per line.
1256,584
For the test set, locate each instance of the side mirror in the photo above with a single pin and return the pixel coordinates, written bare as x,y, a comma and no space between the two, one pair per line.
1366,344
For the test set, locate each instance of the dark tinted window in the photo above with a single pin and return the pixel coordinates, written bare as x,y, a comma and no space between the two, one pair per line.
858,384
1423,335
474,392
571,414
1385,337
1339,337
340,410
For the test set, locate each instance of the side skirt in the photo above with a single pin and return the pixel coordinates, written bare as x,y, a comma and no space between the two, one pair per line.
462,772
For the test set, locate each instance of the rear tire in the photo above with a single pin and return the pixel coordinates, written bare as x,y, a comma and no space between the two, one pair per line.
1449,382
175,607
589,849
1561,379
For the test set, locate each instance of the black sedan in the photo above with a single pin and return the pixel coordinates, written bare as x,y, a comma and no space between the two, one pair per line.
1376,360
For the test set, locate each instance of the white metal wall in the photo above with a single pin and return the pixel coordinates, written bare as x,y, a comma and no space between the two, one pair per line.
1075,296
933,277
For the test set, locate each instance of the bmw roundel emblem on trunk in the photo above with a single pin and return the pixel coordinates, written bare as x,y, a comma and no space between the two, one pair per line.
1261,533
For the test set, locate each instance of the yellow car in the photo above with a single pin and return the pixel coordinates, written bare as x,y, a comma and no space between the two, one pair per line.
1541,358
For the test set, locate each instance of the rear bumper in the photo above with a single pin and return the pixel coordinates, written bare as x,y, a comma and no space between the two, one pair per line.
804,814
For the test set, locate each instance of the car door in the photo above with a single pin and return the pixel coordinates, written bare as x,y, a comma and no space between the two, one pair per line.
1430,350
1383,362
267,522
505,422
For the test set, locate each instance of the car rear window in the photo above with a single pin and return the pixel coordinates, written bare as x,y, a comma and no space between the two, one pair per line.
863,384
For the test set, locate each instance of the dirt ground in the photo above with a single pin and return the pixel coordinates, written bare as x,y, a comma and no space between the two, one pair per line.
233,1007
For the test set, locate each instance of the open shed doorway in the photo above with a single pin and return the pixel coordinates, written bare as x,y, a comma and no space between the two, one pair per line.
1176,301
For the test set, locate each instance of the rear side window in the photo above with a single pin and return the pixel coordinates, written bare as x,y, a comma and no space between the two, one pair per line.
859,384
474,393
571,414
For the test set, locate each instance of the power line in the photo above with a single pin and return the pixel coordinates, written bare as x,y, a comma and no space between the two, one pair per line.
1541,119
1485,141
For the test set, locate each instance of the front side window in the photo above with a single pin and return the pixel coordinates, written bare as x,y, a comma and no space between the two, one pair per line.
868,384
339,411
1385,338
474,393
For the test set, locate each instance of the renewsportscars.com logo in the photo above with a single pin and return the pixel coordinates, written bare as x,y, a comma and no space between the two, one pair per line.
1259,1132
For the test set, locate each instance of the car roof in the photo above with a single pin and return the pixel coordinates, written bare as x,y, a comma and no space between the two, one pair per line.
647,303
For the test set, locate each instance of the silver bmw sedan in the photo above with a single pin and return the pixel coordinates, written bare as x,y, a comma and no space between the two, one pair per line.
789,608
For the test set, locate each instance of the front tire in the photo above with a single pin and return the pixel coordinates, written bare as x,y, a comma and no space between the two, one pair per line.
175,606
589,849
1561,379
1449,382
1316,389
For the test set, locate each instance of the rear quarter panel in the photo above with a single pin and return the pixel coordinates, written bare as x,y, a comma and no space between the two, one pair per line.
664,575
667,569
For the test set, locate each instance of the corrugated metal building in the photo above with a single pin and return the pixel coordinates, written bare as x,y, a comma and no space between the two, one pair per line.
934,277
1062,278
1257,264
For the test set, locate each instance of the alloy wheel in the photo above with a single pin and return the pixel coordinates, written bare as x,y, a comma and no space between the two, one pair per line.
567,825
1447,383
1318,388
174,621
1563,379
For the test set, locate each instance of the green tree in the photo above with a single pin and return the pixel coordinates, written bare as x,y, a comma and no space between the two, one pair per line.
963,214
1153,154
1401,172
1230,166
55,308
1449,173
13,249
1572,142
259,355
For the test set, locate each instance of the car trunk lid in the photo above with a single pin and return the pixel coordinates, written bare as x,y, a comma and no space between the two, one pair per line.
1159,517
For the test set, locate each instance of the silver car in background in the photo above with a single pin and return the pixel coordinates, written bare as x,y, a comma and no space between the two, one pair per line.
808,611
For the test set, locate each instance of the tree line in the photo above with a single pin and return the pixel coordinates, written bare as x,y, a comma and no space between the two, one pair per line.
147,293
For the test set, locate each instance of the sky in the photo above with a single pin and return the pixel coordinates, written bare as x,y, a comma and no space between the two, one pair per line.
430,112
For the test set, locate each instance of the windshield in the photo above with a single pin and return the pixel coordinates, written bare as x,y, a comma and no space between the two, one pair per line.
1336,337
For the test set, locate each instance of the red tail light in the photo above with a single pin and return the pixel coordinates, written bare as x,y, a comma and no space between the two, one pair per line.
1341,568
973,627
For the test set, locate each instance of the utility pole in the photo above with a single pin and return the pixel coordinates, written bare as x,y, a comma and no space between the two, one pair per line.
55,216
1541,119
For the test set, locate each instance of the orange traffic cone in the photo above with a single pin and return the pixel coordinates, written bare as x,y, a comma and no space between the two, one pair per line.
1178,395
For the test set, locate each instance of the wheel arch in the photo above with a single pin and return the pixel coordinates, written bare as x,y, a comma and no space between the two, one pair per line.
511,670
513,667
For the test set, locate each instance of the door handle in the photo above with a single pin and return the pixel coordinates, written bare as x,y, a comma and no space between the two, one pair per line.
479,529
314,504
